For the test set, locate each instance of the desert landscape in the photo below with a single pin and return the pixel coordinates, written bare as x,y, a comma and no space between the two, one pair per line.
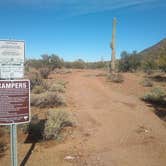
83,83
112,125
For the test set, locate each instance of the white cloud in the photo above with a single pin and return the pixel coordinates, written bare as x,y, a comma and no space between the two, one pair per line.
79,6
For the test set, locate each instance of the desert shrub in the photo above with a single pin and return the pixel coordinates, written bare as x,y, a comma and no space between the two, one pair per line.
3,145
38,89
56,121
35,79
56,87
52,61
47,99
147,83
62,82
129,61
79,64
156,95
44,72
148,65
115,77
162,62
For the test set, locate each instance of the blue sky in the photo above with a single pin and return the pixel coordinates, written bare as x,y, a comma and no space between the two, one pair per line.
76,29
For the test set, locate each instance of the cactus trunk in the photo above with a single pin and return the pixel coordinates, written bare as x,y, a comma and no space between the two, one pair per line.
113,56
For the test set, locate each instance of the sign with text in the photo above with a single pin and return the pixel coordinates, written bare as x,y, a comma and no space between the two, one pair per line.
14,101
11,59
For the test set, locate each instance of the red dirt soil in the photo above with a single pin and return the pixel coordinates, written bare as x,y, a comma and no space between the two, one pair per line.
114,127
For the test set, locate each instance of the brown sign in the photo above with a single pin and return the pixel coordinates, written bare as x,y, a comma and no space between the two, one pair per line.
14,101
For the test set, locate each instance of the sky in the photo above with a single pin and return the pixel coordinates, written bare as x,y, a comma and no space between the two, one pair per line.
75,29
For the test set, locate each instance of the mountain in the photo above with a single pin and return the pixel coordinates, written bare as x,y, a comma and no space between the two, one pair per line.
155,51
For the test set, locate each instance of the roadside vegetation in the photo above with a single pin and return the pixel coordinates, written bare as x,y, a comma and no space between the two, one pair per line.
3,143
48,93
156,95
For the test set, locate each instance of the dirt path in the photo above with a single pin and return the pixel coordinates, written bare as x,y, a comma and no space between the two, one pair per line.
113,129
119,128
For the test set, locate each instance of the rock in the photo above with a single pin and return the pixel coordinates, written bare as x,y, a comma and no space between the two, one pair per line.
69,158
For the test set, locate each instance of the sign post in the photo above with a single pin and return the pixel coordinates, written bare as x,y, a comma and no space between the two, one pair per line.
14,94
13,144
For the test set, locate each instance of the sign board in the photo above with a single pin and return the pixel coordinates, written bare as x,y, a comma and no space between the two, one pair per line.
11,59
14,101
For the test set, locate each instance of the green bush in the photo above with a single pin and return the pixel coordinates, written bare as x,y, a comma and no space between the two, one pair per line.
115,77
156,95
129,61
56,121
47,99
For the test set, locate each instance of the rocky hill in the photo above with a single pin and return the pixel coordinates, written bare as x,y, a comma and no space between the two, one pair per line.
155,51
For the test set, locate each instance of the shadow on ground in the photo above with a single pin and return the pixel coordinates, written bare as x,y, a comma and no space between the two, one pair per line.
35,131
159,109
158,78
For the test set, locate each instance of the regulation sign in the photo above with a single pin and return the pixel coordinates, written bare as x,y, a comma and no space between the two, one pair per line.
11,59
14,101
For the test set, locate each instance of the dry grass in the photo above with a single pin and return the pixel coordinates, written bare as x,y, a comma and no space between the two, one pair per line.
44,72
57,87
56,121
47,99
35,79
38,89
3,145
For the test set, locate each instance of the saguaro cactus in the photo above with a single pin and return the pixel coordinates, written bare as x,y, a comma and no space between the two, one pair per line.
113,56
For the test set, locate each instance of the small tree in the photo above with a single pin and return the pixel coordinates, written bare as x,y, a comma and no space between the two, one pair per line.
52,61
162,62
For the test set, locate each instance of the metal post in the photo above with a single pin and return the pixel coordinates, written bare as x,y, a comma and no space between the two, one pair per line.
13,139
13,136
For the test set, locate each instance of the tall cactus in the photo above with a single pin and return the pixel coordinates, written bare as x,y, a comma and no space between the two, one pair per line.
113,56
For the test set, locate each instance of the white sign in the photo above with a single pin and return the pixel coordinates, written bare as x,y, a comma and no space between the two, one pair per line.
12,55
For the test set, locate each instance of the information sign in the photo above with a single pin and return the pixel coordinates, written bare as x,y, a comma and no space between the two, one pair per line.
14,101
11,59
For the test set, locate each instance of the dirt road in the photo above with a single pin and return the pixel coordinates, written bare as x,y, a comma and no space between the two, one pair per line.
113,128
120,129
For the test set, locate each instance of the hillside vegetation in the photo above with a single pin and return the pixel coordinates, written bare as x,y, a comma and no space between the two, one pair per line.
152,58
